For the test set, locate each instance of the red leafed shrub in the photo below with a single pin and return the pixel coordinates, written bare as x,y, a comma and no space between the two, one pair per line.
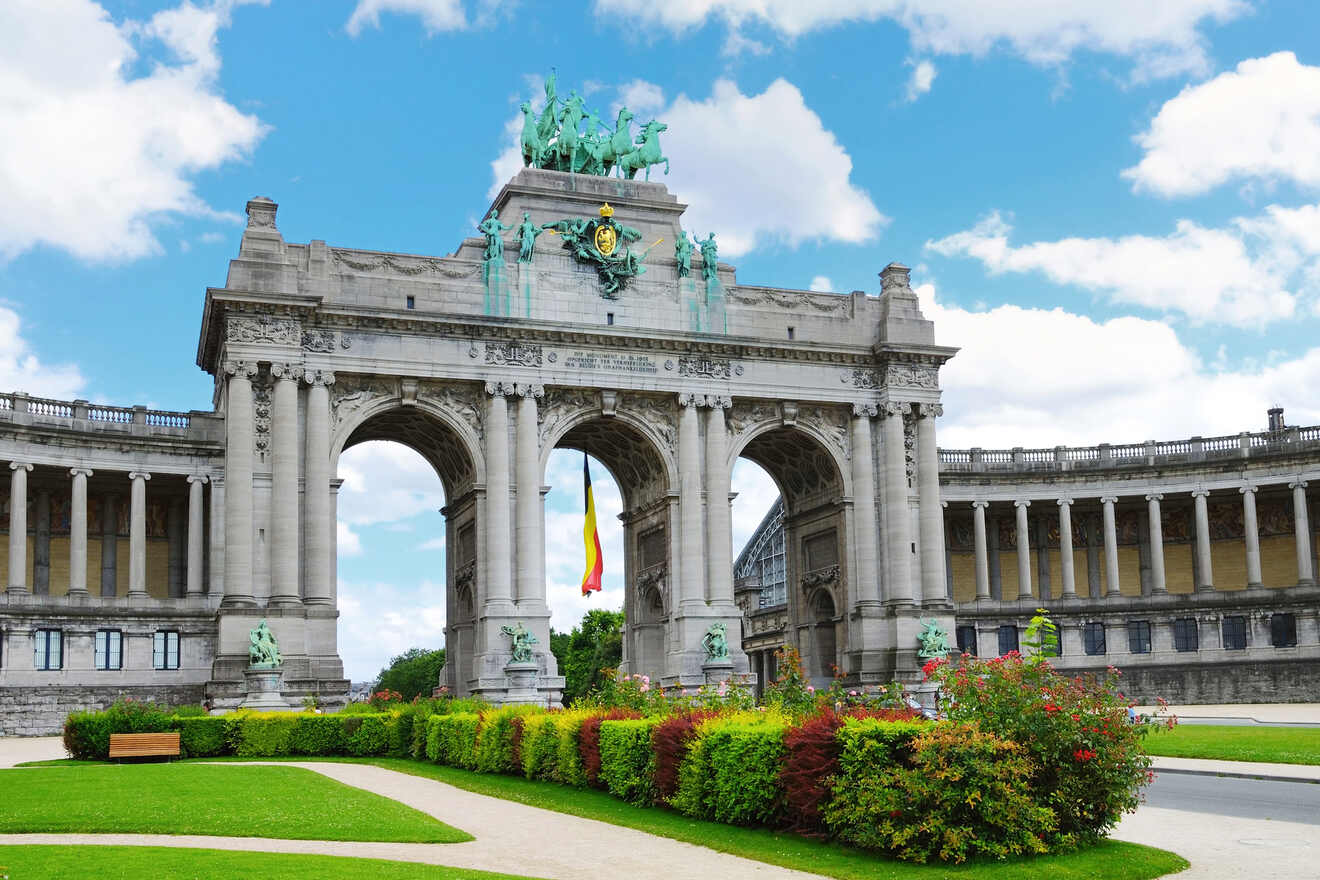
811,757
670,741
589,742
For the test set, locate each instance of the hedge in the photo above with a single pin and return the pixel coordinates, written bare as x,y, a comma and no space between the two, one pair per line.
626,759
731,772
201,737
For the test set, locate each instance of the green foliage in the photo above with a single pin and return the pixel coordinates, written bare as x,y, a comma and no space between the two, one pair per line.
594,646
456,739
732,770
202,737
190,711
398,729
790,692
433,738
366,735
568,767
1041,638
540,747
950,791
87,734
626,759
262,736
415,672
317,735
495,739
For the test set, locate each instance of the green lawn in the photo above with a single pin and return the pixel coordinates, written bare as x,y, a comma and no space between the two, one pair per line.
1223,742
279,802
1110,860
167,863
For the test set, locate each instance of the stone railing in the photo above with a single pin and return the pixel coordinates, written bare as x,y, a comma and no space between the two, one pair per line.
1106,455
16,406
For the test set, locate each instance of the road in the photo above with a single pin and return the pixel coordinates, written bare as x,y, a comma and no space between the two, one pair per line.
1242,798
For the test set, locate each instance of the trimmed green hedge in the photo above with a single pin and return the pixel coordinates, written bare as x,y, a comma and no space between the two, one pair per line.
731,773
627,760
201,737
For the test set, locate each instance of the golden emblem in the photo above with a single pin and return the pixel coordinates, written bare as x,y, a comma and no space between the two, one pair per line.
606,239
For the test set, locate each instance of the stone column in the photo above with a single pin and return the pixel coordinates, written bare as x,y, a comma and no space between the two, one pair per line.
692,563
285,581
318,524
719,525
1205,577
1111,547
1023,551
1157,581
982,555
531,559
78,532
137,535
238,484
1069,576
196,541
1301,529
41,544
18,526
898,521
109,545
1251,536
864,520
499,585
931,517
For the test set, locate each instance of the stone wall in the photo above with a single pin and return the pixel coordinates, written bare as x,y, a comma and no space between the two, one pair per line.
1276,681
41,711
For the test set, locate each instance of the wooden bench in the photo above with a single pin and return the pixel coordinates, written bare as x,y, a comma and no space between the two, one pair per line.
144,745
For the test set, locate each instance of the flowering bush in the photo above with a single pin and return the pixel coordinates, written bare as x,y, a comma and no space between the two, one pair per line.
1088,765
639,694
790,692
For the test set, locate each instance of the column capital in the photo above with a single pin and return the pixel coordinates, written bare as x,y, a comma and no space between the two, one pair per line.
15,465
891,408
865,409
1064,502
930,410
1155,496
318,377
246,369
500,389
198,478
1243,490
139,475
1022,502
282,370
980,504
712,401
525,389
80,471
1200,493
1298,483
1108,499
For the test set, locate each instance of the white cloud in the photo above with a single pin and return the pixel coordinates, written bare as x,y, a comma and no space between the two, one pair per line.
822,283
386,483
22,370
433,544
922,78
1260,121
1162,39
1248,273
1039,378
92,157
436,15
347,541
736,43
641,97
755,493
380,621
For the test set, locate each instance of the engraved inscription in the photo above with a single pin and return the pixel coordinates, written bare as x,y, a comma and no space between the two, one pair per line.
613,362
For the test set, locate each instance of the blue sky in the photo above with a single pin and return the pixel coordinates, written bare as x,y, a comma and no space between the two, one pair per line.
1110,205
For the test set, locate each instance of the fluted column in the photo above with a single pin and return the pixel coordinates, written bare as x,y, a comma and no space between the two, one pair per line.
499,584
238,484
18,526
285,586
1066,549
1111,546
78,532
864,520
318,523
137,535
719,520
1251,536
982,555
1302,532
531,558
931,515
196,541
1157,580
898,522
1023,550
1205,577
692,563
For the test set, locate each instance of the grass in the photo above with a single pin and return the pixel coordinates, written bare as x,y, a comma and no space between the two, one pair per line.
168,863
1224,742
1111,860
277,802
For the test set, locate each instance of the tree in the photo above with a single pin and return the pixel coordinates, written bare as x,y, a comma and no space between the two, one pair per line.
594,645
415,671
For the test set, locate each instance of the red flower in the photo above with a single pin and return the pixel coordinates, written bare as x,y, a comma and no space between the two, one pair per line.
1076,717
1051,708
1083,755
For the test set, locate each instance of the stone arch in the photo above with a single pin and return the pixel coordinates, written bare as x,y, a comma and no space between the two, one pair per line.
815,458
640,457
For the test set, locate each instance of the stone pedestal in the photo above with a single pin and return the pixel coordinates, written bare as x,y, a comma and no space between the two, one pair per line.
717,671
523,683
265,690
925,696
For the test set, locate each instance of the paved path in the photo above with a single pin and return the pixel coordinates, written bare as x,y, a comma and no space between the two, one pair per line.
1265,714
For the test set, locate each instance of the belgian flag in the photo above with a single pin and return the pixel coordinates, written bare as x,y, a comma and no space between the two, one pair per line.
595,564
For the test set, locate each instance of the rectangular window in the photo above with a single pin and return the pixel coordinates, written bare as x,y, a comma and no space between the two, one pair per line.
966,636
411,302
1008,639
1235,633
165,650
1186,637
109,654
1093,638
1138,637
48,650
1283,630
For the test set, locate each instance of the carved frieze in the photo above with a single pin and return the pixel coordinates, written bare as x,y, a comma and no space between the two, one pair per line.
262,329
352,392
910,443
710,401
517,354
459,399
321,341
746,414
821,577
408,267
702,367
912,376
560,404
858,378
261,412
831,421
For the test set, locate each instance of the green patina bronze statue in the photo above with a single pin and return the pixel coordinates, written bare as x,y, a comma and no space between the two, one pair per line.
716,643
710,258
934,640
263,650
526,238
521,641
683,254
494,231
602,243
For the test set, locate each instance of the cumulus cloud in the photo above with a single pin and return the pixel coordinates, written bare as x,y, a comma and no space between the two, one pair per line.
822,283
386,483
922,78
378,621
435,15
1162,39
22,370
1248,273
92,156
1043,377
1258,122
347,541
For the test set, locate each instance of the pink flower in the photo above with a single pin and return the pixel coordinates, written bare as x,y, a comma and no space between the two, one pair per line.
810,689
646,679
852,693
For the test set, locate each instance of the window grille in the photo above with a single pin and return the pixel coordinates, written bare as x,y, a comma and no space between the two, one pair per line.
1093,638
1186,637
